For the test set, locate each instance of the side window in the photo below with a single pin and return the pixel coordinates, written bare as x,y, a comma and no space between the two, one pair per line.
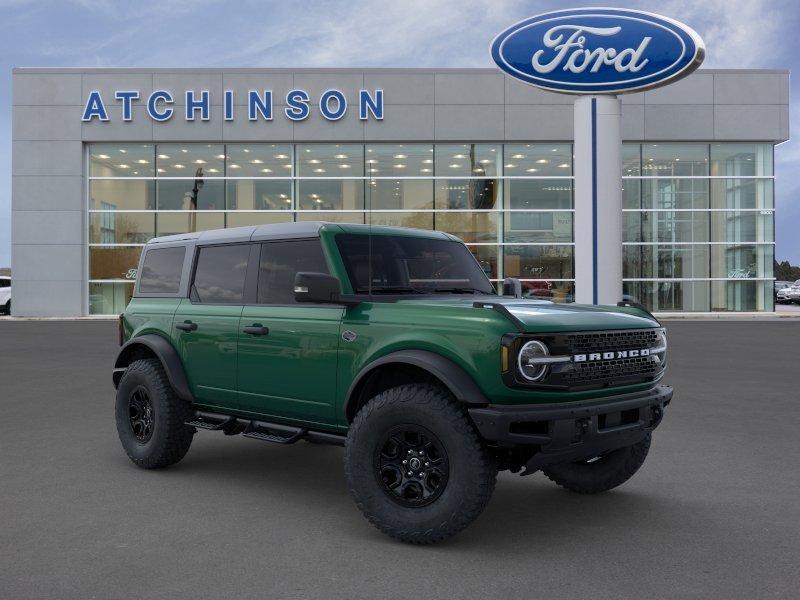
161,272
220,274
280,262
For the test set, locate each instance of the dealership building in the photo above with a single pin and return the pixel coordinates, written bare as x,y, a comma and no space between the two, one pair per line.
105,159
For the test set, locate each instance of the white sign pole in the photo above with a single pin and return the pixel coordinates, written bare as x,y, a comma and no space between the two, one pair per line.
598,200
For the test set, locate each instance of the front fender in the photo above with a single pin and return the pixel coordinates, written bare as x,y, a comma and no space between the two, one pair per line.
165,353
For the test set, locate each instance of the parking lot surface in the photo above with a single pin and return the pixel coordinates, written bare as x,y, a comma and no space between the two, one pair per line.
714,512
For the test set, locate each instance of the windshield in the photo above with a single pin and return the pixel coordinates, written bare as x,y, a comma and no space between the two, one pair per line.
410,265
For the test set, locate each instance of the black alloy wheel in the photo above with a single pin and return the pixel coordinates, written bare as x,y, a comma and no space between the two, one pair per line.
411,465
140,414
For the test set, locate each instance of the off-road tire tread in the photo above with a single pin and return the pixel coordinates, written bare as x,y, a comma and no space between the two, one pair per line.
483,476
584,479
178,436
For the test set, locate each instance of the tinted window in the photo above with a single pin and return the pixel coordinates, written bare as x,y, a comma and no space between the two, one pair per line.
161,272
280,262
403,264
4,283
219,277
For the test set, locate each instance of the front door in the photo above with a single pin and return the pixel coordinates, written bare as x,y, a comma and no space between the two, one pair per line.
207,324
288,351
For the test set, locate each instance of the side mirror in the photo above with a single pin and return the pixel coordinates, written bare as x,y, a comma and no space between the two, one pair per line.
512,287
320,288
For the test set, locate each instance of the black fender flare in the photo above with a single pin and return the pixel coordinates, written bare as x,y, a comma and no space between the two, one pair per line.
165,352
460,384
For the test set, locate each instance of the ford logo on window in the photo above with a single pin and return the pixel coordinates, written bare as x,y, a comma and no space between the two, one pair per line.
598,50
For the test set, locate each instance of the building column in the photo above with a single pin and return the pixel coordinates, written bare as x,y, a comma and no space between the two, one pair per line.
598,200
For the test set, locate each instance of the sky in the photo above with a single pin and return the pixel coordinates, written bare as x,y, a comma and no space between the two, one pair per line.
406,33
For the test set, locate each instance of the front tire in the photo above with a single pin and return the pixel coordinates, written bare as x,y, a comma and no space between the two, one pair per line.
600,474
447,477
150,416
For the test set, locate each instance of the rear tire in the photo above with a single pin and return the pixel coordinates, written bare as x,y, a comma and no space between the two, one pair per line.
453,476
602,473
150,416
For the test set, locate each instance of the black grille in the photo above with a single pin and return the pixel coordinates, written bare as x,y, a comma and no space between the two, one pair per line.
604,341
607,371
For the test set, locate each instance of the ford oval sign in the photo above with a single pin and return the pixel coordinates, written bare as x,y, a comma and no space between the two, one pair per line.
598,50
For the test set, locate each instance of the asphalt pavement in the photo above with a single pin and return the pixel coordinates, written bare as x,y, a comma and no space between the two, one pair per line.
713,513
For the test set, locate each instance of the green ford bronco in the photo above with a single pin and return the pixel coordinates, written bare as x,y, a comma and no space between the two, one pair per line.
395,344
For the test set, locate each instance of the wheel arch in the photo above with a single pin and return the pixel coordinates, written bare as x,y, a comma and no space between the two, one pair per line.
151,345
413,365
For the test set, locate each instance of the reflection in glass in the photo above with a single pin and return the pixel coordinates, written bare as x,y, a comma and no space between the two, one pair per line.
330,160
665,261
330,194
743,226
191,194
121,227
332,217
538,227
243,219
259,160
674,226
114,263
121,160
538,194
674,160
466,193
467,160
122,194
109,298
186,222
631,160
742,193
742,261
192,160
669,295
674,193
404,194
398,160
537,160
401,219
539,262
741,160
259,194
470,227
742,296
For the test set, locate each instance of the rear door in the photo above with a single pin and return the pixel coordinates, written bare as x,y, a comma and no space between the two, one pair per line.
287,364
207,323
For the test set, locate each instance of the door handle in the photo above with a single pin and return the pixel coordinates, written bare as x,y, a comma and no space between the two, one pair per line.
256,329
186,326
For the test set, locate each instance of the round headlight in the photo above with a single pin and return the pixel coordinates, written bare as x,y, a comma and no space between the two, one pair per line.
526,360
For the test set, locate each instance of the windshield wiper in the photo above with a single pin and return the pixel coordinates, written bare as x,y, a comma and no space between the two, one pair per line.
393,289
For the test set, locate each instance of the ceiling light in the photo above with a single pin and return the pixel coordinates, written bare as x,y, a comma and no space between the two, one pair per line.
179,166
287,166
399,166
485,161
123,150
542,161
400,156
517,156
454,166
163,156
161,170
234,166
199,161
459,156
344,166
319,170
532,170
213,170
245,150
257,161
340,156
427,161
281,156
217,156
371,161
313,161
266,170
425,170
103,156
510,166
563,166
124,166
184,150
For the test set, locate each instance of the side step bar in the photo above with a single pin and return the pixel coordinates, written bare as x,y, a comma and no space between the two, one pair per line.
266,431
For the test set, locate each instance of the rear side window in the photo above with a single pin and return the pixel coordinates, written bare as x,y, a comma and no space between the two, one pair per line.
220,274
161,272
4,283
280,262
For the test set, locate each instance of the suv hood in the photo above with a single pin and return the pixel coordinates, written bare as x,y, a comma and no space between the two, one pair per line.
542,316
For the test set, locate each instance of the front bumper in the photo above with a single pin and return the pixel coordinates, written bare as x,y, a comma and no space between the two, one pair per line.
571,431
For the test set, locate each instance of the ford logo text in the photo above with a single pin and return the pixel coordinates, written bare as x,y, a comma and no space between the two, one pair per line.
598,50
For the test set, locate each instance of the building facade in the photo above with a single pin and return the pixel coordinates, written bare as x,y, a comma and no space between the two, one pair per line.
104,159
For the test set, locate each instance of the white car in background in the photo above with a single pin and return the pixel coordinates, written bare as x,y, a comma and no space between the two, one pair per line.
790,294
5,294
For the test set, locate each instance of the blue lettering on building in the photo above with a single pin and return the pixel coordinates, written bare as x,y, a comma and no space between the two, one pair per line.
332,105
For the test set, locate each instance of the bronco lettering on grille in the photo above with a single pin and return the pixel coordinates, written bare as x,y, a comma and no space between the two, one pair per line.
595,356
